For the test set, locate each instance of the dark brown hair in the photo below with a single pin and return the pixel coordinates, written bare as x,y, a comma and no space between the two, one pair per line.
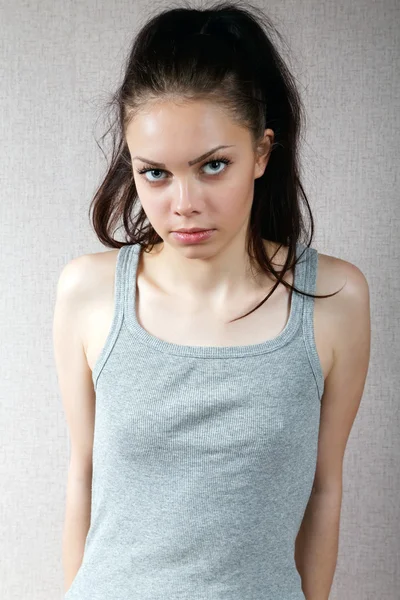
225,54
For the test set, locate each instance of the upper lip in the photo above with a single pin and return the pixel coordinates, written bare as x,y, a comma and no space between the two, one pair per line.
192,230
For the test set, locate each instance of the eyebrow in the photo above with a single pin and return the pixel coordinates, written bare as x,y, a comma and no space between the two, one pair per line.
190,162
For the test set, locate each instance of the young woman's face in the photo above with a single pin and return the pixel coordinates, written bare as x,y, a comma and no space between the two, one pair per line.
214,192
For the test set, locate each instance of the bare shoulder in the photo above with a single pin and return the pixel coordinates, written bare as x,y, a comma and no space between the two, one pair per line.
347,319
335,273
86,284
81,273
346,311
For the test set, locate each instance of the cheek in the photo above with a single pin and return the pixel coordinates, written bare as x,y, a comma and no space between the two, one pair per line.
156,209
146,196
239,189
235,202
228,202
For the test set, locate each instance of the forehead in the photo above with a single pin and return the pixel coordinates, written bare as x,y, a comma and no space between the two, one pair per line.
167,124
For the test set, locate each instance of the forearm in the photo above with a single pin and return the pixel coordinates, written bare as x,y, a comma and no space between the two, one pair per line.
76,526
317,545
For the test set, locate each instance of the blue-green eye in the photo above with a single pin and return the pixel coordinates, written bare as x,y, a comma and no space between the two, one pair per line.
216,160
220,161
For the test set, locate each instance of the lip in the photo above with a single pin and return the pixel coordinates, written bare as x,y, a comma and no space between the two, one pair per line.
193,230
196,237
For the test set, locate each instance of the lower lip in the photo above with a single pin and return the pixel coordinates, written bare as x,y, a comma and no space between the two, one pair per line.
190,238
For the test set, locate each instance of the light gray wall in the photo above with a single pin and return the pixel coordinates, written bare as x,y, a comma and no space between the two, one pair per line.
59,61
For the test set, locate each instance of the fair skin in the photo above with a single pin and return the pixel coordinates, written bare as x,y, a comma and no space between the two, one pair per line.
188,294
215,195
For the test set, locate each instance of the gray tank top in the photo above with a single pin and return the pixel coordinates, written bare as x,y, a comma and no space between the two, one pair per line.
203,458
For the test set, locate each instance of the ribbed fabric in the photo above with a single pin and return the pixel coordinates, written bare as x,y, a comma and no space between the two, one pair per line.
203,458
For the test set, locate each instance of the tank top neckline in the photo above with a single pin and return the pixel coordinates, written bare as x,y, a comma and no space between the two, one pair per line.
129,273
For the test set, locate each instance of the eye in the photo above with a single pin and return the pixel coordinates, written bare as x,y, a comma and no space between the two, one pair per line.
217,160
221,160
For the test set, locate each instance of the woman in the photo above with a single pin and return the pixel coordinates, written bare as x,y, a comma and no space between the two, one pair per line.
210,380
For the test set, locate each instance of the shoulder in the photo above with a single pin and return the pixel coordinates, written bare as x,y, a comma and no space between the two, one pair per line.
82,276
346,321
347,313
335,273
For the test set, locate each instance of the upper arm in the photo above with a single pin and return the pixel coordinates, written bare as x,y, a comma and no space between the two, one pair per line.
73,371
345,382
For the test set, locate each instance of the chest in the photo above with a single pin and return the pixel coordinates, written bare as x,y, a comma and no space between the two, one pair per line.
197,325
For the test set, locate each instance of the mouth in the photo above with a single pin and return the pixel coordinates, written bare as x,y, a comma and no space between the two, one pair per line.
193,235
194,230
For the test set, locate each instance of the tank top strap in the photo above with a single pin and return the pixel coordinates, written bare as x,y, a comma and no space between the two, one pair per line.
121,283
306,277
308,285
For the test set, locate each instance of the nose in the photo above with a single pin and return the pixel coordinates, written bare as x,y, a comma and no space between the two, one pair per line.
187,198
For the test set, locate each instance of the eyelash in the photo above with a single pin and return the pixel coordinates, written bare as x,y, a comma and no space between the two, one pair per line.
221,159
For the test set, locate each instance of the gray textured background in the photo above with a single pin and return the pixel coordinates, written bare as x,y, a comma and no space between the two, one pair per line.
59,62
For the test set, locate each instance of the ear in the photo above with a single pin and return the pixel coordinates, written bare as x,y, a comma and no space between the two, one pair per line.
263,153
